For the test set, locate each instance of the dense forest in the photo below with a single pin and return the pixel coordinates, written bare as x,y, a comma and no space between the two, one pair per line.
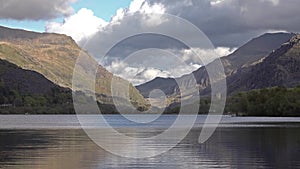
278,101
56,102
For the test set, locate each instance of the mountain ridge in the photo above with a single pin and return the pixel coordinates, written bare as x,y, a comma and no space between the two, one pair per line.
244,56
280,68
54,56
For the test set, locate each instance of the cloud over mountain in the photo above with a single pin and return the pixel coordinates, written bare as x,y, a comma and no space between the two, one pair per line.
227,23
79,26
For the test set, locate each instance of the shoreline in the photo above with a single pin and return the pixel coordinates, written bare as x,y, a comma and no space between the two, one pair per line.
117,121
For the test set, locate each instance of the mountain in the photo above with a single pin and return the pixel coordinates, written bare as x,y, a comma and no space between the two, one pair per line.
167,85
54,56
254,50
247,55
280,68
25,82
28,92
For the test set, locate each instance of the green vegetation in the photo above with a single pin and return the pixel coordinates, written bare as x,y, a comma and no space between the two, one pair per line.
54,56
56,102
15,55
278,101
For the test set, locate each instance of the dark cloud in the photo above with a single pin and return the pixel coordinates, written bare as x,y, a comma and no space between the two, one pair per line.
145,41
232,22
34,9
227,23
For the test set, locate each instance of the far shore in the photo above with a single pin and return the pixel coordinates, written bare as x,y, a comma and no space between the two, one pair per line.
24,122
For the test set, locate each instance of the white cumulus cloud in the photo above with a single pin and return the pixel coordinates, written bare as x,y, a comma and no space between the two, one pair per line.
204,56
227,23
79,26
136,74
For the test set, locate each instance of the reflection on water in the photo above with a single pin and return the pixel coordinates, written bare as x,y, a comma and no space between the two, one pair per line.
276,147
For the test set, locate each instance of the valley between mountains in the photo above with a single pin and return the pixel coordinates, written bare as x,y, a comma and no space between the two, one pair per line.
36,70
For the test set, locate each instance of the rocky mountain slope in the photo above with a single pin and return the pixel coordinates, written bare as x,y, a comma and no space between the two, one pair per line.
54,56
280,68
249,54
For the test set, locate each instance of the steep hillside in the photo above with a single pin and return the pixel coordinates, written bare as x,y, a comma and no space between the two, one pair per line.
245,56
24,81
53,56
255,50
280,68
28,92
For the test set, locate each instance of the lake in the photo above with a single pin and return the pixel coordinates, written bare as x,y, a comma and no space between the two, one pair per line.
58,142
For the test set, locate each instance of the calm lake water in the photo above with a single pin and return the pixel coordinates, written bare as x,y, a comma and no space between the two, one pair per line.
57,142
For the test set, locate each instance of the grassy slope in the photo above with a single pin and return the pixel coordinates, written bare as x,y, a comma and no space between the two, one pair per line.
54,56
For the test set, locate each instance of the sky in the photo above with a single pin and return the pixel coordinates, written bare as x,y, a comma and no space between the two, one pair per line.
105,10
95,25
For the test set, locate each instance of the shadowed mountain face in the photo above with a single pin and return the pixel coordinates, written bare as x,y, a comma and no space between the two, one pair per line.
25,81
168,85
250,54
280,68
28,92
255,50
54,56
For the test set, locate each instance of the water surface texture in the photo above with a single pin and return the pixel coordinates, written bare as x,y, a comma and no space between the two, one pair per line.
248,145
